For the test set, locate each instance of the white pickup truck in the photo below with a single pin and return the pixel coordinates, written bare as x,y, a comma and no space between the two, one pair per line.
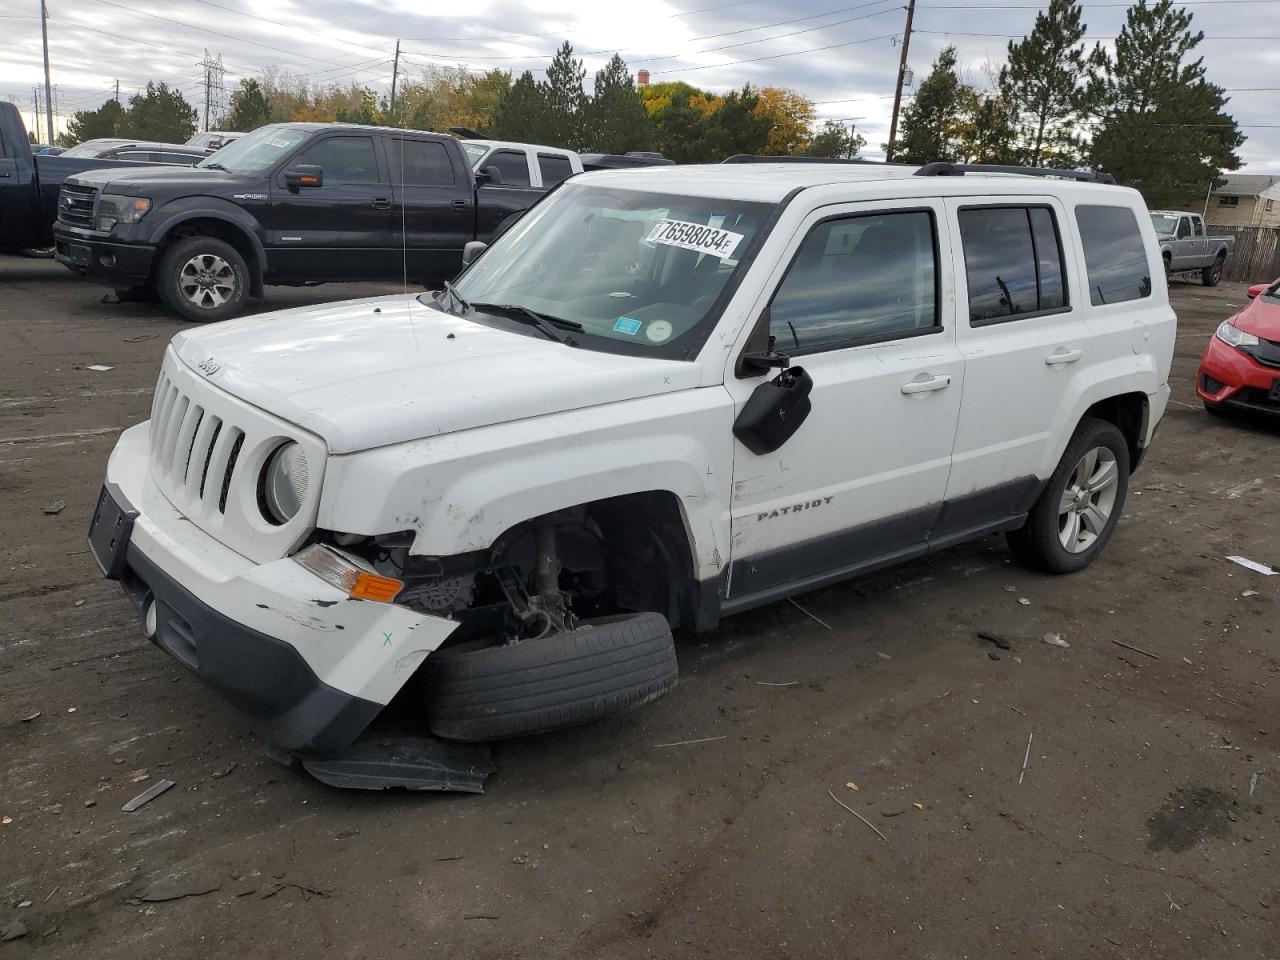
1186,247
521,164
663,397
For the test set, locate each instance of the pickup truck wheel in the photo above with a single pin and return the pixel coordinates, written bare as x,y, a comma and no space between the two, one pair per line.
203,279
604,667
1078,510
1210,276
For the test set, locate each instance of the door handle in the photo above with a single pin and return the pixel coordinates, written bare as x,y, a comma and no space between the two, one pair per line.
380,203
461,205
1061,356
926,385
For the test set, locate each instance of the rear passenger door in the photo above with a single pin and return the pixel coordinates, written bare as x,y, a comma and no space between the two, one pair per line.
1026,351
434,206
863,304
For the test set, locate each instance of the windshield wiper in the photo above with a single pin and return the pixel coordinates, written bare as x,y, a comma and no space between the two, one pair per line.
213,166
545,322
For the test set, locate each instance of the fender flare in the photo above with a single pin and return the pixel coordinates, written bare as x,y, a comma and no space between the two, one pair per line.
227,213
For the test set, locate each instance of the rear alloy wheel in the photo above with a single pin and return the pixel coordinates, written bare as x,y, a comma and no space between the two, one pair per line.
1078,509
203,279
1210,276
604,667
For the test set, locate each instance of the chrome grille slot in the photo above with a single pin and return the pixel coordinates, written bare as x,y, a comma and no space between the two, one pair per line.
75,205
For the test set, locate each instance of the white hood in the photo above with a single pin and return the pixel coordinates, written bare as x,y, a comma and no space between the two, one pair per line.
367,373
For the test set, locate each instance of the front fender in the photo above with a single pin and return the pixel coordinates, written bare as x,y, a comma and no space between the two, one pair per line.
459,492
178,212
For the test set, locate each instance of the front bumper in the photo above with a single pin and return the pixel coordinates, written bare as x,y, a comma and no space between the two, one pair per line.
307,664
119,264
1229,378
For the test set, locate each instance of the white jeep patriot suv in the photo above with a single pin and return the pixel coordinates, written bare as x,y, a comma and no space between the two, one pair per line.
662,397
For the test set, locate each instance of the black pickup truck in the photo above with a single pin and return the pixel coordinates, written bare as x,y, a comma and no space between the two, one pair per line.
291,203
29,185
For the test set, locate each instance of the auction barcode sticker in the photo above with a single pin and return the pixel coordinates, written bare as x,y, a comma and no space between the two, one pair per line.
695,236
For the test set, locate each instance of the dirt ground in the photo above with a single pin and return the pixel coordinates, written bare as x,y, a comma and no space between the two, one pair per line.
1145,826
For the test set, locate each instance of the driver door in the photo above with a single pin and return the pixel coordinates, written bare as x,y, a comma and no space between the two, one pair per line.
865,307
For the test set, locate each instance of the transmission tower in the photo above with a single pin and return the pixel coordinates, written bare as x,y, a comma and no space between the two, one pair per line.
215,93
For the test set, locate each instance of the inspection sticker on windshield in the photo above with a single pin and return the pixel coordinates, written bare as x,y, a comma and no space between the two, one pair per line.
695,236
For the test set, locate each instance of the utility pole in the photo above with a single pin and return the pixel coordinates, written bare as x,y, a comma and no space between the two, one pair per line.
48,93
35,105
117,90
395,74
902,72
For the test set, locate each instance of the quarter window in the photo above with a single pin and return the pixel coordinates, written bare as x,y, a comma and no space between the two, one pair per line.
1013,262
513,167
343,160
420,163
1115,256
859,279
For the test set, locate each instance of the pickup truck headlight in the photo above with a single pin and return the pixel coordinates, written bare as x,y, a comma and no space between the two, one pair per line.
1234,336
113,209
283,484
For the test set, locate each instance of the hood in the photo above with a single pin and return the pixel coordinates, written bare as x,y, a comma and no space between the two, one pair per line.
367,373
1261,318
136,181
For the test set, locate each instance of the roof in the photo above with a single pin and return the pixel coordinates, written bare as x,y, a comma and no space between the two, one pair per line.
771,182
516,146
1247,184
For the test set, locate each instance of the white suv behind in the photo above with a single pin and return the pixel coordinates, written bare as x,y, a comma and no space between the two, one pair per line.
664,396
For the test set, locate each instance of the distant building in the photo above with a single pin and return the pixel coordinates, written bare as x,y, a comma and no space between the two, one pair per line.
642,78
1245,200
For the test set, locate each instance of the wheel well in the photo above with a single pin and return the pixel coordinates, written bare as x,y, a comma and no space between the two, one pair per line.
1128,412
225,231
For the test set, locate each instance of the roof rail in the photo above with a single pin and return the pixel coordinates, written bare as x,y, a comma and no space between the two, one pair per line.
752,158
944,168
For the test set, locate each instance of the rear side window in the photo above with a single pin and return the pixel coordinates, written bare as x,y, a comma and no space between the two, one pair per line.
420,163
1013,262
513,167
1114,254
554,168
858,280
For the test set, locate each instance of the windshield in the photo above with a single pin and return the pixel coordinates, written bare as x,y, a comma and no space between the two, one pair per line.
1165,223
91,148
258,151
474,152
641,272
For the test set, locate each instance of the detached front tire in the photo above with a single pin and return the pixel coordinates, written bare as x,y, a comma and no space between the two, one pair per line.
203,279
1081,504
605,667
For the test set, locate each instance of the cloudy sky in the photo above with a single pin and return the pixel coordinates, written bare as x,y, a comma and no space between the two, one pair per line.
842,57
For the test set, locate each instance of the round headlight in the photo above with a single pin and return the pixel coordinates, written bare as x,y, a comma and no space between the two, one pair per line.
284,483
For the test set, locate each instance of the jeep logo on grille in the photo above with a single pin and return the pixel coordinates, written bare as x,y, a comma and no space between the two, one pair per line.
208,366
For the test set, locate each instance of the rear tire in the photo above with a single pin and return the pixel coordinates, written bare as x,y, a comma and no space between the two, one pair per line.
604,667
1210,276
1081,504
203,279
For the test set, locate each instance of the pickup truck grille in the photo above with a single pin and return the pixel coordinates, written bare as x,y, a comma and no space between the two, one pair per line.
75,205
207,450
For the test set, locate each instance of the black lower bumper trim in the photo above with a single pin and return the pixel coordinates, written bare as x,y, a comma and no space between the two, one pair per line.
261,676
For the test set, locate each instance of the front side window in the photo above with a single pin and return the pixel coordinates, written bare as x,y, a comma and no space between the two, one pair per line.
643,273
512,166
419,163
475,152
342,160
859,279
1115,256
1013,262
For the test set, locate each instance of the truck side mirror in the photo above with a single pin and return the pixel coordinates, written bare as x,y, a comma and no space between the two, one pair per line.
491,175
303,175
471,250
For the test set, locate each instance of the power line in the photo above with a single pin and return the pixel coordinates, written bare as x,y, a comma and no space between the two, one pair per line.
776,56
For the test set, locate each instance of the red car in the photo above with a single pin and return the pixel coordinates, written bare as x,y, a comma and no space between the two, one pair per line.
1240,370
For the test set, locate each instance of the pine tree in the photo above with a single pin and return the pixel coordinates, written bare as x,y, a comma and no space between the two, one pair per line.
736,126
566,101
159,114
986,132
931,123
1164,129
678,125
617,121
249,108
1044,85
106,121
521,115
835,140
